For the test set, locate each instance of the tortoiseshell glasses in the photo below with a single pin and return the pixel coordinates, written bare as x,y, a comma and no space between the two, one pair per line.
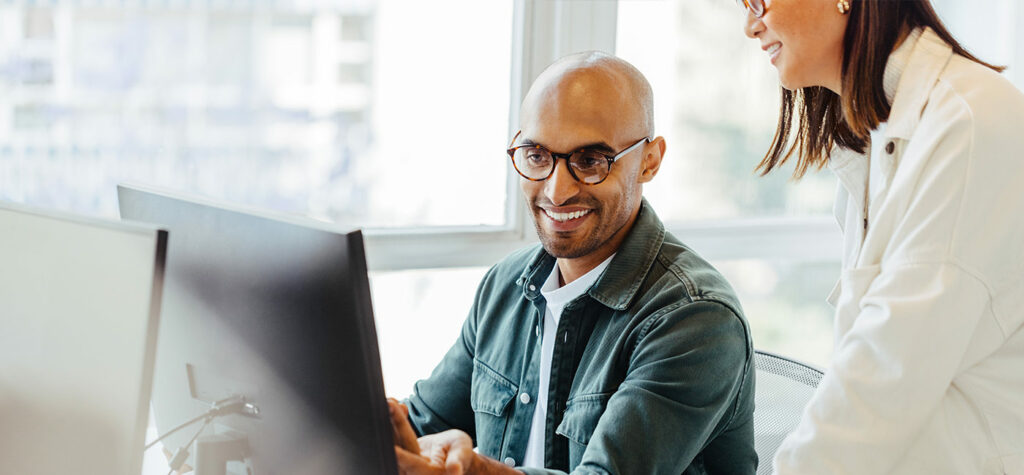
753,6
587,165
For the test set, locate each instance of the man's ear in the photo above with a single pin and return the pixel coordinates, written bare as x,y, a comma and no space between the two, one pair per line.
653,154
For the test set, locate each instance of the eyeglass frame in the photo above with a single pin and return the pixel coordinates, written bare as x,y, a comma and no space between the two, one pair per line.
758,13
555,156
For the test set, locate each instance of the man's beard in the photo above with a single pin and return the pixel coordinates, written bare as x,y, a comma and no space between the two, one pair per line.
571,248
566,248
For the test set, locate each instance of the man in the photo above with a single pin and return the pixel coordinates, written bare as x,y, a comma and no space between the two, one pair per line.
610,348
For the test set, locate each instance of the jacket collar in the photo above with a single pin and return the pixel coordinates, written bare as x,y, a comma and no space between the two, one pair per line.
619,283
927,60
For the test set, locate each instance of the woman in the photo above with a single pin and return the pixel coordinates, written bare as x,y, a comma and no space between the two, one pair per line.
928,371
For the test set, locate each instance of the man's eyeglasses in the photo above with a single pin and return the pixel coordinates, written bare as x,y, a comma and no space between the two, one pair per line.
753,6
588,166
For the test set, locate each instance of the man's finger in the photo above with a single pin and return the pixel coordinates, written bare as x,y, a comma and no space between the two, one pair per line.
405,437
460,456
453,468
412,464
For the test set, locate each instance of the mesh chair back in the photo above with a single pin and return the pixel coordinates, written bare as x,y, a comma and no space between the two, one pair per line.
783,388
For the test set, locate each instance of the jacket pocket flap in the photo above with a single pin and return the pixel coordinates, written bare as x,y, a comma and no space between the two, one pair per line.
581,416
491,392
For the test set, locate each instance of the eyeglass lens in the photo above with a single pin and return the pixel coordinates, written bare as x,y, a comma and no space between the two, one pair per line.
754,6
537,163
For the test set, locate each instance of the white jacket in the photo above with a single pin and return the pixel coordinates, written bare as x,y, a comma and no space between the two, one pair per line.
928,371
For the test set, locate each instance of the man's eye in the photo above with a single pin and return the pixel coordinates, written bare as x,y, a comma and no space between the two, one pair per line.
588,160
537,157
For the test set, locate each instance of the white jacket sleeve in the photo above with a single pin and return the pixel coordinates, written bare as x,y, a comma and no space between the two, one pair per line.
889,372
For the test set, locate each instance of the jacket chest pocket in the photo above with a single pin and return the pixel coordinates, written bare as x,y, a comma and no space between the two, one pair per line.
579,421
853,284
490,397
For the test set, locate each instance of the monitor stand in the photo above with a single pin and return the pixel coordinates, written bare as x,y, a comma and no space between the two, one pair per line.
213,452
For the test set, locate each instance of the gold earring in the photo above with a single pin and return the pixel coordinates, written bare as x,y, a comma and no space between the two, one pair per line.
843,6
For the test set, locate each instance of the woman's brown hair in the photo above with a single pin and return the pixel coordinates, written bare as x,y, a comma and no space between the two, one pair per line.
824,119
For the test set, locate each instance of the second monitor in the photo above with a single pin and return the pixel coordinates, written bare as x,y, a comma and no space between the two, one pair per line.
275,310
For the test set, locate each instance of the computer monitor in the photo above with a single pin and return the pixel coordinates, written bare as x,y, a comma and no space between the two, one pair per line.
79,309
274,309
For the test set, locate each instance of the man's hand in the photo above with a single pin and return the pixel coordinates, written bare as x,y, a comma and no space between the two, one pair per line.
446,453
405,437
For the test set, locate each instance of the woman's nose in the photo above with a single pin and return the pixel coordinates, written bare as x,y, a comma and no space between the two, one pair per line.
753,26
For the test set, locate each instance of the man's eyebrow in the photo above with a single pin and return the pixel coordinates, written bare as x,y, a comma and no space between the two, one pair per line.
602,146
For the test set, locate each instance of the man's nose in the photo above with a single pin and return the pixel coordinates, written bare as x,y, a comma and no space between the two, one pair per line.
561,186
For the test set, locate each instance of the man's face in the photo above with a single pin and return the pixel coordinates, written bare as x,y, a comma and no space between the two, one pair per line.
574,219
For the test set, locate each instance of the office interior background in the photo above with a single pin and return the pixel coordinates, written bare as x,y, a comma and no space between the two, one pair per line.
394,116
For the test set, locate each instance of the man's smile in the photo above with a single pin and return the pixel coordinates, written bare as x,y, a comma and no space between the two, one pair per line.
565,219
566,216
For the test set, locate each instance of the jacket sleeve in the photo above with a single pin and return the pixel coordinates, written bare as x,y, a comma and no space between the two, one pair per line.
889,373
681,390
923,306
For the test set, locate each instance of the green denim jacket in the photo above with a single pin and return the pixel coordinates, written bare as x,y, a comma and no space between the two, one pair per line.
652,373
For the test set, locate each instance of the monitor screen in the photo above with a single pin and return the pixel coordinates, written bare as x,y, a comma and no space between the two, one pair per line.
274,309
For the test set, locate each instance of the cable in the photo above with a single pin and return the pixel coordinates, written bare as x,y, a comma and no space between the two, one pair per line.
176,429
182,453
231,405
200,431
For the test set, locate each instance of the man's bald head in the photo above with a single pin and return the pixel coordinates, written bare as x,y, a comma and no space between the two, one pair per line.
594,83
583,108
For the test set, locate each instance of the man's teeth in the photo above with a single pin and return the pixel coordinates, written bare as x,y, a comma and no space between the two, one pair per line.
773,48
566,216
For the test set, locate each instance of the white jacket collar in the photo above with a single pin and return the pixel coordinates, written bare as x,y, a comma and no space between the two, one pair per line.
928,57
897,63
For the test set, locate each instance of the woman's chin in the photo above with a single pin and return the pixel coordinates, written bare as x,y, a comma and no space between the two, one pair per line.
790,83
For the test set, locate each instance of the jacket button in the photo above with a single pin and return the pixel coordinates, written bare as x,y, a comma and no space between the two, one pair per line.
511,462
524,398
533,287
889,147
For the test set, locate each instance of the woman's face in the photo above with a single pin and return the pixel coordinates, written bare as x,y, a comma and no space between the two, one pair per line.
803,39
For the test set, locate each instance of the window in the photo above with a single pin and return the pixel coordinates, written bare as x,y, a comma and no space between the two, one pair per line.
363,113
428,317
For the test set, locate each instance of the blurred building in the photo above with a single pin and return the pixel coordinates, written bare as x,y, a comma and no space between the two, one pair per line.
260,102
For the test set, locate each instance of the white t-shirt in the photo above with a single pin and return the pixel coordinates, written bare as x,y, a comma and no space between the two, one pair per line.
557,298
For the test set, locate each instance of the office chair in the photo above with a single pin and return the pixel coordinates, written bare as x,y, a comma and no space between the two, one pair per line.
783,388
